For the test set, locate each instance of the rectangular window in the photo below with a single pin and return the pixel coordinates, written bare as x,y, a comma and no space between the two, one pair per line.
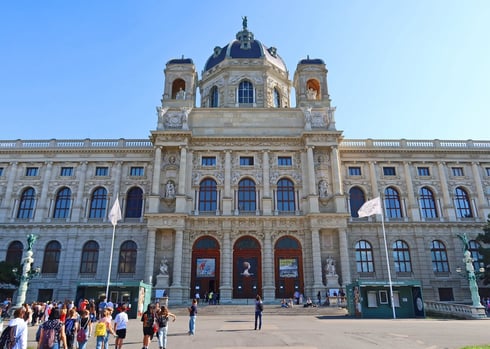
383,297
354,171
102,171
284,161
208,161
372,299
487,171
389,171
423,171
32,171
458,171
137,171
246,160
1,171
66,171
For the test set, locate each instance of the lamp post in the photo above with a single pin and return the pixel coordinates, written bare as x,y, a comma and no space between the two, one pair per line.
27,272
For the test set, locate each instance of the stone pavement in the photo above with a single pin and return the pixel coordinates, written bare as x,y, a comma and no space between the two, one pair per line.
225,326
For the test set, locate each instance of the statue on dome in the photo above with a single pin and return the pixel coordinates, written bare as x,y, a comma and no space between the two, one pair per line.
244,22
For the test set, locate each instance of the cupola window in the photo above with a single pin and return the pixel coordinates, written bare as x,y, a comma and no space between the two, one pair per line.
245,92
213,97
277,98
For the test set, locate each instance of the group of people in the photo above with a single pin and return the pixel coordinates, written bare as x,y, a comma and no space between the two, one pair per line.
155,321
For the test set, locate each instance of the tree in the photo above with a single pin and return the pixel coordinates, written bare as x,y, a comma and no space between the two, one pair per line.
484,240
7,276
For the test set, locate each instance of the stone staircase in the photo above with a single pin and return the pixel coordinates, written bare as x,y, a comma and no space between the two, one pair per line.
269,309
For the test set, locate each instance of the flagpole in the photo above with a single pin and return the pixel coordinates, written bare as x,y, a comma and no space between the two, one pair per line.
114,216
388,265
110,262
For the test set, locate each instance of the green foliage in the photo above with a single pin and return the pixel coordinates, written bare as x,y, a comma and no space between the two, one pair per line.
484,238
7,276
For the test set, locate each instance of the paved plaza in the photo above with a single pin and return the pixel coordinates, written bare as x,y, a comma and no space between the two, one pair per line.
222,327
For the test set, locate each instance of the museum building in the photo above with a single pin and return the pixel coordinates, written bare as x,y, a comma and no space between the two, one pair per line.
241,195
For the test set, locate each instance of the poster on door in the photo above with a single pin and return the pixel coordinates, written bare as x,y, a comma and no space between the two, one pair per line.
247,266
288,268
205,267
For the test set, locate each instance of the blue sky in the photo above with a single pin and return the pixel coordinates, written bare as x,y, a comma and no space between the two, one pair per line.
416,69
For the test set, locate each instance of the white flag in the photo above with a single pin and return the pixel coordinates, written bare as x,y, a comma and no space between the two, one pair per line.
370,207
115,214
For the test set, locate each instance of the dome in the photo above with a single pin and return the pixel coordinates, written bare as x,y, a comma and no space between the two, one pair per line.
246,47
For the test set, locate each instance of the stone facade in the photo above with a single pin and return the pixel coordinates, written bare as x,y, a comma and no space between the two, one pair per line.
244,194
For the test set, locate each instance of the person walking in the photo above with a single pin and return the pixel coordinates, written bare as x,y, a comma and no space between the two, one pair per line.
120,325
192,317
85,327
53,325
102,330
259,307
20,325
162,320
148,319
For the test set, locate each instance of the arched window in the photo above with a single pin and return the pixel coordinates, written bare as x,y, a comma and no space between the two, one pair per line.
245,92
213,97
127,257
208,195
134,203
14,253
427,203
62,203
439,257
178,89
392,203
357,199
246,195
206,243
285,196
401,257
364,257
98,203
277,98
462,203
51,260
287,243
26,204
90,257
474,248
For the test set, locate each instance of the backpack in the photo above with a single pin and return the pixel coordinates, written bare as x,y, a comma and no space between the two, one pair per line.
49,338
70,327
81,334
8,340
162,321
100,329
261,306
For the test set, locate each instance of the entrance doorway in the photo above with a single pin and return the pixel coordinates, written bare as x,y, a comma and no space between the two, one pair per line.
288,267
205,267
247,268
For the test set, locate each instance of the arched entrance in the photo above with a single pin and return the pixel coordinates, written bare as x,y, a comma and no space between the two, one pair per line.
205,266
288,264
247,268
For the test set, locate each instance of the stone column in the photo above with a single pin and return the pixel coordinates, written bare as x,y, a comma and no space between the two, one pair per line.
178,292
7,200
311,170
150,256
182,170
479,188
268,288
227,198
157,166
117,179
43,204
77,212
373,177
412,206
344,257
446,196
336,175
226,288
317,260
266,197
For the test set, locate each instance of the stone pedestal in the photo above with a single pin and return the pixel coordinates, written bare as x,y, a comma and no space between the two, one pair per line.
162,282
332,281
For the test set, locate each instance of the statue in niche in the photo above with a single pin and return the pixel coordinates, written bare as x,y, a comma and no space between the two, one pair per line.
330,266
311,93
170,190
180,94
322,189
164,266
